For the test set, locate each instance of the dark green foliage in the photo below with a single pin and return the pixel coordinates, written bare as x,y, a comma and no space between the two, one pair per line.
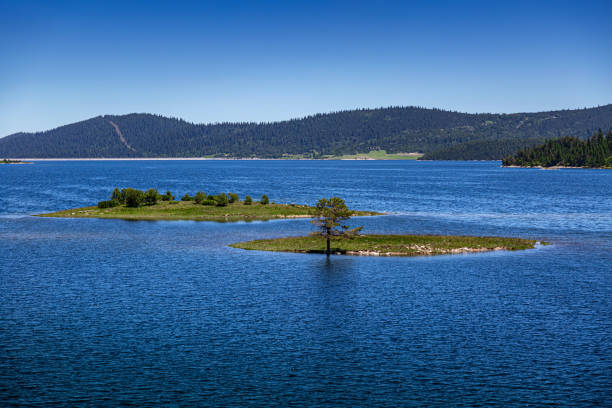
151,196
482,149
133,197
118,195
186,197
396,129
567,151
221,200
108,204
329,217
199,197
233,197
248,200
167,197
264,200
209,201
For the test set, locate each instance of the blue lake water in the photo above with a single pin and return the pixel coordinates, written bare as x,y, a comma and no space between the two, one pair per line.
111,312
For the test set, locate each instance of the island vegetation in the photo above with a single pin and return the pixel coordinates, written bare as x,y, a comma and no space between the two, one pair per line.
334,236
595,152
9,161
134,204
362,133
329,216
389,245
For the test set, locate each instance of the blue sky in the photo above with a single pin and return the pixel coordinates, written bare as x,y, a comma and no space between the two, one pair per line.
61,62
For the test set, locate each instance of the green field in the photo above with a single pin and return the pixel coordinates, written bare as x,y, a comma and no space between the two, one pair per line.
378,155
189,210
390,245
372,155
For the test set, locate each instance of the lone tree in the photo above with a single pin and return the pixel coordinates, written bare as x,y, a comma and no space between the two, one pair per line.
329,215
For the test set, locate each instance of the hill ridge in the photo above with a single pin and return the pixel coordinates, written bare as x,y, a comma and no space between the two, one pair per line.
440,134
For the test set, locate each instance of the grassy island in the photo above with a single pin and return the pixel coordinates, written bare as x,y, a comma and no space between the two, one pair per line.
9,161
131,204
186,210
389,245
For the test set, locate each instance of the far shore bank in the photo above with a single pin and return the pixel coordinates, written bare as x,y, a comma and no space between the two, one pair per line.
556,167
398,156
202,159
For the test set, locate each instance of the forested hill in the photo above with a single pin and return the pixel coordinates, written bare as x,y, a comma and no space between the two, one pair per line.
437,133
568,152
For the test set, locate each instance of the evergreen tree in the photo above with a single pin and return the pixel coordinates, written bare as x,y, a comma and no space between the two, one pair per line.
567,151
329,217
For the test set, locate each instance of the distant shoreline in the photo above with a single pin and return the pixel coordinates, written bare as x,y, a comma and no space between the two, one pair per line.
556,167
200,159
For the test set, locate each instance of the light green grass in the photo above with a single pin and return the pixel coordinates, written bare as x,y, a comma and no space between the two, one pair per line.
188,210
372,155
390,245
378,155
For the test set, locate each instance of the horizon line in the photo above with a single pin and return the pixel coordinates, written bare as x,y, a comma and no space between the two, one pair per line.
305,116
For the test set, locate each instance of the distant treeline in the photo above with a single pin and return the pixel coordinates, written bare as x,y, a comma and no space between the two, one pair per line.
567,151
438,133
482,149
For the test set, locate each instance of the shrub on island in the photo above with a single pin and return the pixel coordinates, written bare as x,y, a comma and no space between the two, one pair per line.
118,195
167,197
151,196
108,204
199,197
134,198
221,200
131,197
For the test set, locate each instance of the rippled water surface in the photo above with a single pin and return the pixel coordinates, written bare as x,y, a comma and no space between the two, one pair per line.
110,312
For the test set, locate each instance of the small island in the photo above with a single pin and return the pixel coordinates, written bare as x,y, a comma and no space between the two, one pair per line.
333,236
132,204
389,245
567,152
10,161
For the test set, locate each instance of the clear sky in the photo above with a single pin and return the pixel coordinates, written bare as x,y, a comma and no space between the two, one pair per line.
61,62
